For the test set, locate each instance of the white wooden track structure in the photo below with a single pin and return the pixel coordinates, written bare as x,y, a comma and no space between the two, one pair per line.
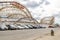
47,20
15,13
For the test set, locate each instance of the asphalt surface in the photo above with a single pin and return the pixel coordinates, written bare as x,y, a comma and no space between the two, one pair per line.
26,34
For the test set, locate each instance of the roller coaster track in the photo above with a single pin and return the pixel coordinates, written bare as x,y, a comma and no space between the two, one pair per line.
19,6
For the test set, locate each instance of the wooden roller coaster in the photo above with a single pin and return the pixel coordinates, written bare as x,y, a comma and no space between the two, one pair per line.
15,13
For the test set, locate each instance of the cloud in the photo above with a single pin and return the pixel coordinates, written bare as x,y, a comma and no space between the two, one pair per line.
57,15
32,4
25,0
47,3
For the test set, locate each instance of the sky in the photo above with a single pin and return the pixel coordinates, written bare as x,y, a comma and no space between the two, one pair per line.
42,8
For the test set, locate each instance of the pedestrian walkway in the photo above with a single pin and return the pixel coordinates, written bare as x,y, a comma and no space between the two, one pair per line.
49,37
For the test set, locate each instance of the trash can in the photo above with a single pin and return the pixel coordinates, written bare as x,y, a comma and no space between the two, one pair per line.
52,33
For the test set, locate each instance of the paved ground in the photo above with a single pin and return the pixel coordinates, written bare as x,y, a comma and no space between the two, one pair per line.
49,37
29,34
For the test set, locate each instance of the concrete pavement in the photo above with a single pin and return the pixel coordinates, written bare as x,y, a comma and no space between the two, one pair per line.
29,34
49,37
